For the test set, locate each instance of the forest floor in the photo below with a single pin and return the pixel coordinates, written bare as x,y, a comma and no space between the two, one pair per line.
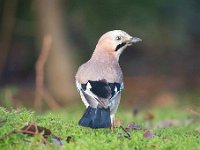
153,128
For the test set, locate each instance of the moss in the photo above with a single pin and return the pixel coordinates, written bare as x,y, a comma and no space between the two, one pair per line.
64,125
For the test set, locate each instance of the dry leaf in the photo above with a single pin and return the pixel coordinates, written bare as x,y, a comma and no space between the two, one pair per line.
197,129
118,122
132,125
149,116
148,134
32,129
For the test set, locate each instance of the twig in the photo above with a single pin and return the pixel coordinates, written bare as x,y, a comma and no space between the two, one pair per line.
194,113
41,136
127,133
26,131
41,92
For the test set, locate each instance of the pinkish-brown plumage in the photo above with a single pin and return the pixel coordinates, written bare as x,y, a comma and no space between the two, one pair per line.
100,80
99,67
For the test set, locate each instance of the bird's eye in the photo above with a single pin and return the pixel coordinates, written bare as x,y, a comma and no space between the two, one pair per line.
118,38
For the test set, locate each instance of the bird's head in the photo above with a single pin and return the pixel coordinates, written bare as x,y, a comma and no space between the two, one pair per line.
115,42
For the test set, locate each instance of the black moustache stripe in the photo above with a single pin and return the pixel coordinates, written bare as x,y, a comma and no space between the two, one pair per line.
119,46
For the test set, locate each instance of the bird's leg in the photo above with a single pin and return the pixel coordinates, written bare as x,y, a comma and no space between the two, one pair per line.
112,127
112,117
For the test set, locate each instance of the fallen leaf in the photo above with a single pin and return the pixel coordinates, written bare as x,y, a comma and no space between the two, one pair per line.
197,129
32,129
132,125
148,134
149,116
118,122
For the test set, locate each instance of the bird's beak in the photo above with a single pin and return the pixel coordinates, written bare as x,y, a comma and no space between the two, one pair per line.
133,40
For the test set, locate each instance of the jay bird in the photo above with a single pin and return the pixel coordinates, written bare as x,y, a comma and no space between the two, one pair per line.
100,80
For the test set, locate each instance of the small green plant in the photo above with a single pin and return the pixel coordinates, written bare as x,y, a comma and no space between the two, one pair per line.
171,129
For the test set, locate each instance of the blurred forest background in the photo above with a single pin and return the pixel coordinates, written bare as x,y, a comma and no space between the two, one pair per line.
56,36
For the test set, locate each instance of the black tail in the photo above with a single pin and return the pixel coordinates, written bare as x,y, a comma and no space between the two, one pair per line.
96,118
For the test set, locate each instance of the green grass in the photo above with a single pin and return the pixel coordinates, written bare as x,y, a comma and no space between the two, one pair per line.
64,124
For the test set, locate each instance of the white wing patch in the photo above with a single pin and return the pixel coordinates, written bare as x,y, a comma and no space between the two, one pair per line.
94,98
88,92
79,88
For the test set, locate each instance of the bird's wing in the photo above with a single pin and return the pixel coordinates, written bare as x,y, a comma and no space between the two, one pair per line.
101,93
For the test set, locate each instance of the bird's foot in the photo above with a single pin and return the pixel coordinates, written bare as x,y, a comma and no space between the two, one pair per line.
112,126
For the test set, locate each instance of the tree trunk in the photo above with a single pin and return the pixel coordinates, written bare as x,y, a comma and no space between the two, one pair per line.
59,71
